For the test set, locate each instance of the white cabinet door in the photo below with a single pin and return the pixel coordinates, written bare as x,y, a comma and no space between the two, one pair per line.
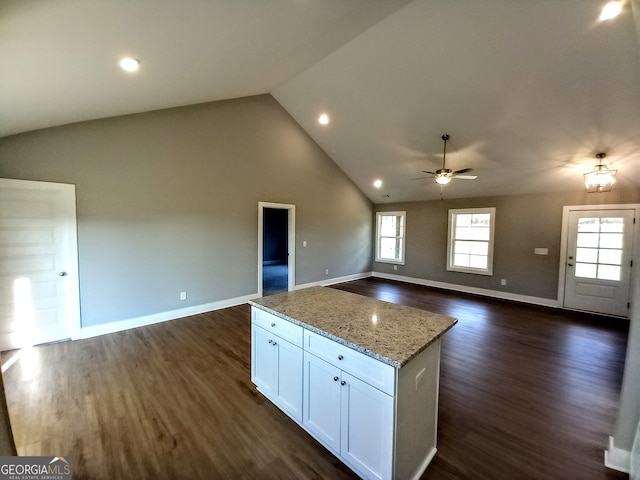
288,393
262,360
367,428
276,369
322,401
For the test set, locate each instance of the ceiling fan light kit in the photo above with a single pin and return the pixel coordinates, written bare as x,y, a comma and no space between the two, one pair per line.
601,178
442,179
445,175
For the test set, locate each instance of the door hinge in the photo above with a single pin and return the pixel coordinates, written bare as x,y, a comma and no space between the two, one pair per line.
628,305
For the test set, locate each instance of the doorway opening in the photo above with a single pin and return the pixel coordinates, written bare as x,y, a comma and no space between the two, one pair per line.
276,247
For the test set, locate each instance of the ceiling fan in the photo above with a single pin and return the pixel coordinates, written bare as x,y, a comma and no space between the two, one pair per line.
445,175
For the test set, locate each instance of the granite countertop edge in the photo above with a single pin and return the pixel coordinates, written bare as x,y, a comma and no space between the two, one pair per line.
354,346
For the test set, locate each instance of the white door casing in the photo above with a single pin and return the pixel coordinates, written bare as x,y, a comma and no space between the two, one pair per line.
39,288
597,253
291,240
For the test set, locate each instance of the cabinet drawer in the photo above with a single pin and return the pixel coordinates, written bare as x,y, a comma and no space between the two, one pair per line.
368,369
278,326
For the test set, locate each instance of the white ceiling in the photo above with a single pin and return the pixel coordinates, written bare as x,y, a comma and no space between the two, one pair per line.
529,91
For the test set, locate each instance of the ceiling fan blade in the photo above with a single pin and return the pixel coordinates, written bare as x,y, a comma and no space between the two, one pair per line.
430,173
465,177
464,170
421,178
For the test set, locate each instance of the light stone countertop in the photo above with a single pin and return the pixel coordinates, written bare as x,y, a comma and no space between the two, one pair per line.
391,333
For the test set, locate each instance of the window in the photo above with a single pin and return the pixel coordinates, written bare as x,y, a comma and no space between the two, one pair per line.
599,248
470,243
390,237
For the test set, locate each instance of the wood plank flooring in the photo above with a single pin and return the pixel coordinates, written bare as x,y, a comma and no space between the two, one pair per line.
526,393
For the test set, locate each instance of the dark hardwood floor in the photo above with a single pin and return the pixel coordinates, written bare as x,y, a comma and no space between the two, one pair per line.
525,393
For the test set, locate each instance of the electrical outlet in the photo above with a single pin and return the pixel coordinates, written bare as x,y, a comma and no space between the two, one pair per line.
503,282
326,271
183,295
395,267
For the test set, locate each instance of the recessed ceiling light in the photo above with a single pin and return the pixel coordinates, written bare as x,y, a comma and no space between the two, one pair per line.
611,10
323,119
377,183
129,64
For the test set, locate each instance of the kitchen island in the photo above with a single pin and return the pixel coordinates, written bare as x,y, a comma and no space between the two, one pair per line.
359,374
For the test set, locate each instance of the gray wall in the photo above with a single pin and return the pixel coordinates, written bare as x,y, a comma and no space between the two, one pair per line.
167,201
523,222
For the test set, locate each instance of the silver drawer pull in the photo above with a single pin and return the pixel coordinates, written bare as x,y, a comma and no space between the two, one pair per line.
340,357
273,324
343,383
335,379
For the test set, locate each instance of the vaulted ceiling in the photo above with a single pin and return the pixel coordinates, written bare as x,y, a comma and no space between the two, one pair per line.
529,91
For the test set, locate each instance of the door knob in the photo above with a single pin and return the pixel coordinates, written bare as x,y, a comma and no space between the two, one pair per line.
63,274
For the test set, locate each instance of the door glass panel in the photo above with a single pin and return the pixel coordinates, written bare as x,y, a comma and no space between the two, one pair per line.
609,272
599,248
611,240
588,225
589,255
611,257
614,224
586,270
589,240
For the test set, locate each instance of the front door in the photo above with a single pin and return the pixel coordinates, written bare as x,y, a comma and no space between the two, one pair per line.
598,266
38,263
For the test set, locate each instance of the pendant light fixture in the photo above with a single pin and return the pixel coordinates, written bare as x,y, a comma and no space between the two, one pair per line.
601,178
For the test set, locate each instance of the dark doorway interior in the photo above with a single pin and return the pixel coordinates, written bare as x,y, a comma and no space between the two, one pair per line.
275,251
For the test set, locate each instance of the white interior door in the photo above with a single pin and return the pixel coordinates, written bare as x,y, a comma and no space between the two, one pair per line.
598,261
39,299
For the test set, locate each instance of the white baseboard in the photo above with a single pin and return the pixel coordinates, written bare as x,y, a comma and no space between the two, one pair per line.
112,327
547,302
616,458
333,281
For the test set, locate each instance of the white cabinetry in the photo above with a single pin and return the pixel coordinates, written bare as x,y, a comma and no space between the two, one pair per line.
349,416
276,361
379,420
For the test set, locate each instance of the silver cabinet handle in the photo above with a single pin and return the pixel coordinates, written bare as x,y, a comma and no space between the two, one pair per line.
340,357
63,274
343,383
335,379
273,324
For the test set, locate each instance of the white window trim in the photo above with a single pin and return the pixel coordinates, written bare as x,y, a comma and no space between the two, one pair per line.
477,271
402,214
